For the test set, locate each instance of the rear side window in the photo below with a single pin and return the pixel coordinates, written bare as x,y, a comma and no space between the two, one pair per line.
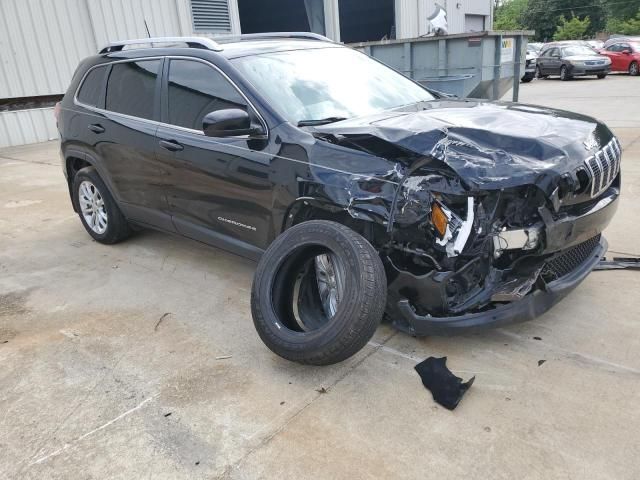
91,89
131,88
196,89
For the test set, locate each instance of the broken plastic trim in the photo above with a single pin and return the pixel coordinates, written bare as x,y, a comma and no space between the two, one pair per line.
458,231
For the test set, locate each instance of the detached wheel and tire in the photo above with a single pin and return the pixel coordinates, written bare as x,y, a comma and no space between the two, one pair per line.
634,70
319,293
97,209
564,74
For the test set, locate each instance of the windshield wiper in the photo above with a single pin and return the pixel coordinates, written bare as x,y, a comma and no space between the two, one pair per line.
321,121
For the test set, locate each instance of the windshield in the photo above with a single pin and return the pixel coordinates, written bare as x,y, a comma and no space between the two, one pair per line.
635,47
328,83
577,50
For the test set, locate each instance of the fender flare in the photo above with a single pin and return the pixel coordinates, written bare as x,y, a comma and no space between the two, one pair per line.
93,160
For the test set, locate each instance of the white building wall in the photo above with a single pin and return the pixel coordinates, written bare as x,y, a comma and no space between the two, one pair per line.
411,15
42,42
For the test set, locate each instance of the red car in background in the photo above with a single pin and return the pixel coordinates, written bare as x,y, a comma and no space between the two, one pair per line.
624,55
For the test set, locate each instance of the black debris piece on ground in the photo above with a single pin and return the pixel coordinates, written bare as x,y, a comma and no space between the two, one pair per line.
446,388
540,362
537,338
168,414
321,390
619,263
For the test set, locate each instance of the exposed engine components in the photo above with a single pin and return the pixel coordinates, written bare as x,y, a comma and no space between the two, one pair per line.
523,239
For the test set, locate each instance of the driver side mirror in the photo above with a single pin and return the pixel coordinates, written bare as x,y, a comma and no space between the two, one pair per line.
626,52
229,122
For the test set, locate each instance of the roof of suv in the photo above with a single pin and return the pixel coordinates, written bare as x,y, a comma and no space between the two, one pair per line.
234,46
259,46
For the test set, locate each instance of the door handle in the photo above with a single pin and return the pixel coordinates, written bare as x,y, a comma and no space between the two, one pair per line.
96,127
171,145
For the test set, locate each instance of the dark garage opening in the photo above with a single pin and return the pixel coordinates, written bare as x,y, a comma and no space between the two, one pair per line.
366,20
259,16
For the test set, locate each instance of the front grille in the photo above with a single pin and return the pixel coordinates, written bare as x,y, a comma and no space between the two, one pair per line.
604,166
594,62
567,261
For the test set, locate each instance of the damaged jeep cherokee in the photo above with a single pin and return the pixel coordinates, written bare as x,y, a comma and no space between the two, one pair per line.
360,192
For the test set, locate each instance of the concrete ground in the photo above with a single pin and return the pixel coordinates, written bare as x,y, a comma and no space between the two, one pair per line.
141,361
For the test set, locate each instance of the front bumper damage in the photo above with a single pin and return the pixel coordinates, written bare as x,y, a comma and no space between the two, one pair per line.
420,304
529,307
498,212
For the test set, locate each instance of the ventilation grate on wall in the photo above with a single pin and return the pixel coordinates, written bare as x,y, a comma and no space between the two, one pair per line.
211,15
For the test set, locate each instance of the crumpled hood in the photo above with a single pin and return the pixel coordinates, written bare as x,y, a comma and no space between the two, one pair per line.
490,145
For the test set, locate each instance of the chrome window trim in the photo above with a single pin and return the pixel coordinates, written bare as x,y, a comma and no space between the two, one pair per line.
261,119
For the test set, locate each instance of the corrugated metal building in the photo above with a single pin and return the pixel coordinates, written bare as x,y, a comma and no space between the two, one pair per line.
42,41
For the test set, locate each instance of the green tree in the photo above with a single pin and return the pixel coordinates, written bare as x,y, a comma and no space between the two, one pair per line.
572,29
630,26
621,10
543,16
509,15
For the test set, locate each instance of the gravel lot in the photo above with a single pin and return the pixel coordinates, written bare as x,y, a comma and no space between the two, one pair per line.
109,368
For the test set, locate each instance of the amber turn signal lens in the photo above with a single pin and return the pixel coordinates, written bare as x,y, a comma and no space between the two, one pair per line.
439,219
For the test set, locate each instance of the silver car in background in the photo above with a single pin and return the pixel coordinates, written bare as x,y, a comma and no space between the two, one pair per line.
571,60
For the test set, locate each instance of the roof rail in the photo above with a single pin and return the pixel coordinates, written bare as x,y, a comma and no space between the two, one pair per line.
192,42
268,35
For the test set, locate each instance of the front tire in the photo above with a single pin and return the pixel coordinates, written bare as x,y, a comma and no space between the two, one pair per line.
564,74
319,293
539,74
98,211
602,75
634,70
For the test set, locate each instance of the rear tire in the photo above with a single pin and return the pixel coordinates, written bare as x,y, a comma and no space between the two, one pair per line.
634,70
98,211
296,325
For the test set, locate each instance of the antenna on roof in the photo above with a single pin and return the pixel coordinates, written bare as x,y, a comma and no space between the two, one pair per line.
147,28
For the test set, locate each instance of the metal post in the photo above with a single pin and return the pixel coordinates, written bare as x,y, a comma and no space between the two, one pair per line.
497,67
408,67
516,68
442,57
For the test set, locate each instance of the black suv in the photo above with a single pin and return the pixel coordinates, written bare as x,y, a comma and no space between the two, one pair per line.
360,191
